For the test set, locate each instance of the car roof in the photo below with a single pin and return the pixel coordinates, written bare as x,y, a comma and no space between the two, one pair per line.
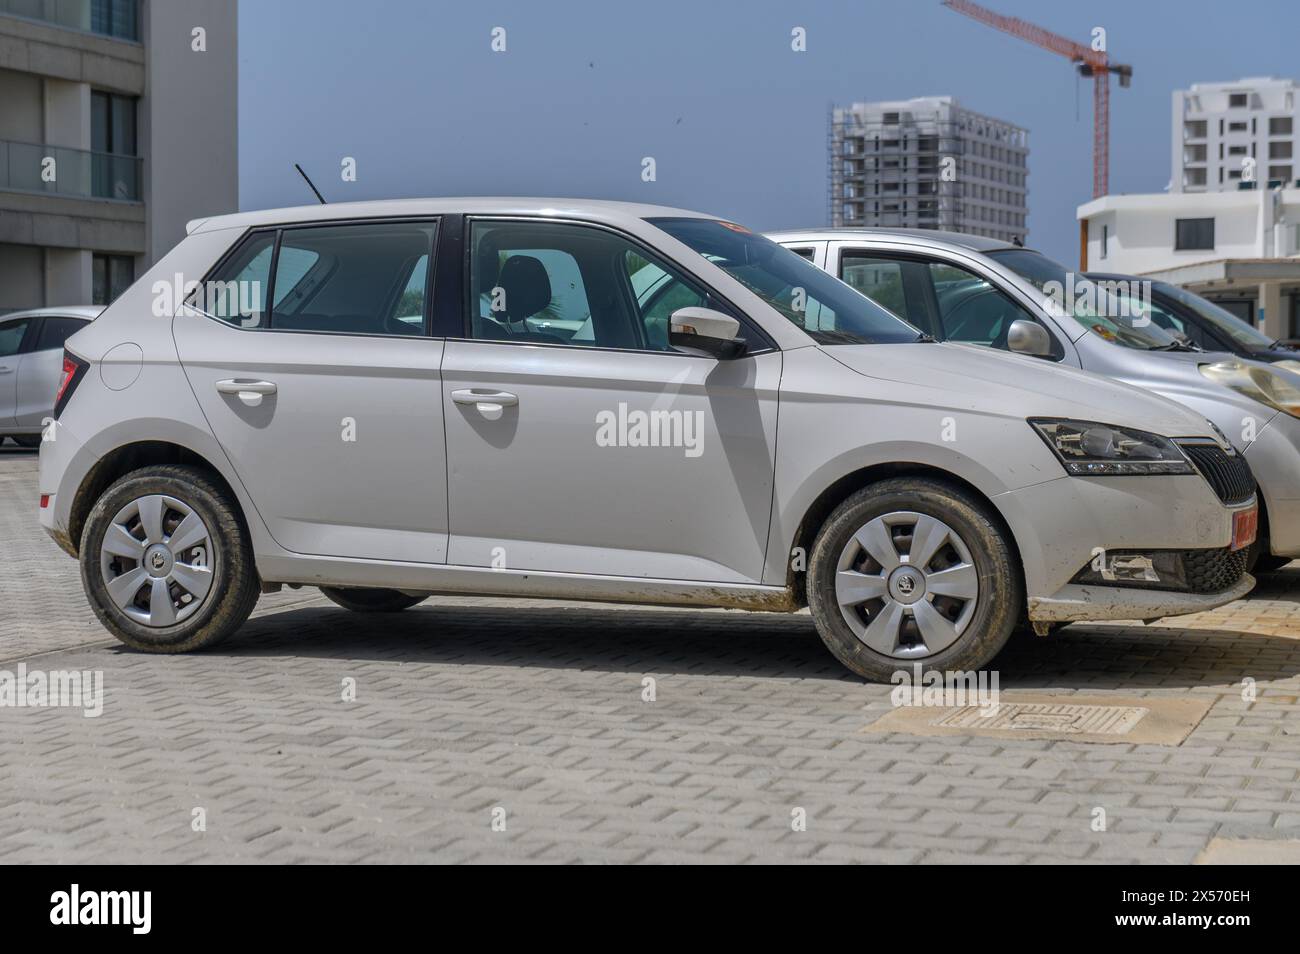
925,237
483,205
85,312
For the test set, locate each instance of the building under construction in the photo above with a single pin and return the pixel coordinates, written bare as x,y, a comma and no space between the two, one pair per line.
927,163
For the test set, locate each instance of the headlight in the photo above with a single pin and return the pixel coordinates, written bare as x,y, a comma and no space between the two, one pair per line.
1259,382
1088,449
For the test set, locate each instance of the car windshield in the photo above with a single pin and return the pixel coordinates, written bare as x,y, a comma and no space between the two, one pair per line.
1101,308
831,312
1218,318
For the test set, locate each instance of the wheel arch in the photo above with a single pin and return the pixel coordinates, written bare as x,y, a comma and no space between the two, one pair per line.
845,486
124,459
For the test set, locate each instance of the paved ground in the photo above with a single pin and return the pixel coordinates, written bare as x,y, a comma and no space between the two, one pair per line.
472,710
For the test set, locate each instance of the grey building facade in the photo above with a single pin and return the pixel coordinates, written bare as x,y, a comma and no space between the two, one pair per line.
118,124
927,163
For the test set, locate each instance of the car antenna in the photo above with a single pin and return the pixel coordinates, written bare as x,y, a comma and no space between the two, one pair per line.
310,184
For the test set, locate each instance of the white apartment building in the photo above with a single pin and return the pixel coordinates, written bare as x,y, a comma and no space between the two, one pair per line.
1237,248
927,163
1225,134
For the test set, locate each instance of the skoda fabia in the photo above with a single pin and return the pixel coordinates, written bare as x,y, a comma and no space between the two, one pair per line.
605,401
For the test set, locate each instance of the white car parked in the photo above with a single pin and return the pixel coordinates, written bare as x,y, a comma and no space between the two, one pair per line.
605,401
31,361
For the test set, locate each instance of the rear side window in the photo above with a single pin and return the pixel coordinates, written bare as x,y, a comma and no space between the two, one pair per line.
55,331
366,278
11,336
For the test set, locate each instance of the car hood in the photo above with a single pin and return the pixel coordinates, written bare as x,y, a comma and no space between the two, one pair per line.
978,378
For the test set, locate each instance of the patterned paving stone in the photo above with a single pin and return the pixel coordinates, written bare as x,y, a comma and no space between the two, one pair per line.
497,730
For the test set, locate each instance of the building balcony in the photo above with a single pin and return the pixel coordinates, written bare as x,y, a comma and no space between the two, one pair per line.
119,19
76,173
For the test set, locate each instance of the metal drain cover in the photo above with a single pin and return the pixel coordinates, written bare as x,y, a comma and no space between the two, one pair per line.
1127,720
1064,718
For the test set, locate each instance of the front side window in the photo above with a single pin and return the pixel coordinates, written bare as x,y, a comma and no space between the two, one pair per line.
974,310
562,283
829,311
365,278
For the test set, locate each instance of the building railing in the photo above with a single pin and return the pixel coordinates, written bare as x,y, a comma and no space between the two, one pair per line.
119,19
58,170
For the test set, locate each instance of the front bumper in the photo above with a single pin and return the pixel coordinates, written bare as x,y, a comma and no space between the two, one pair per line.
1085,601
1062,525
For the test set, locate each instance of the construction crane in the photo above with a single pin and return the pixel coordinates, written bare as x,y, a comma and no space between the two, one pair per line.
1094,63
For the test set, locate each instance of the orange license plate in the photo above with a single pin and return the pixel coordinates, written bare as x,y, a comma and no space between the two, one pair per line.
1245,525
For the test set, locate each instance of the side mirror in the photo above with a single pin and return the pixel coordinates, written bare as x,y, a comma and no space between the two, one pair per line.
1029,337
695,330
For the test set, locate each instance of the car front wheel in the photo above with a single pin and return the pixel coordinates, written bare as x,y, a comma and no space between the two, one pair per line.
166,561
913,570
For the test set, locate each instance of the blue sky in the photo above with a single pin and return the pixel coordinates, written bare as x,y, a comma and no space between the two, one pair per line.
735,120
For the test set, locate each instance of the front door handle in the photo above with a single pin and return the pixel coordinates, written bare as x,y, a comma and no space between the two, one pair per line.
491,404
250,392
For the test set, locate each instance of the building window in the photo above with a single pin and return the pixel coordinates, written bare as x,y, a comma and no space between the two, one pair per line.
115,168
1237,99
1105,240
1279,174
1279,150
1192,234
117,18
112,275
1237,127
1279,126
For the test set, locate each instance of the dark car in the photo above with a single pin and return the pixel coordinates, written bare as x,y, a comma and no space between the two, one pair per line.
1205,324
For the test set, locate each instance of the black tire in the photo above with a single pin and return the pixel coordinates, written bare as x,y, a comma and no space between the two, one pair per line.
1268,563
370,600
234,588
1001,599
26,440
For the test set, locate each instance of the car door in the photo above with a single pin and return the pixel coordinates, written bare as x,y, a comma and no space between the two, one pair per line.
13,334
601,451
40,368
324,393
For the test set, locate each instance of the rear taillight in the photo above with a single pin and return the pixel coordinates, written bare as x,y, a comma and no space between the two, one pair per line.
74,369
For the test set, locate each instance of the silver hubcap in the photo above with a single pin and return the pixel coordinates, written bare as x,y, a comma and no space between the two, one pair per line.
157,560
906,585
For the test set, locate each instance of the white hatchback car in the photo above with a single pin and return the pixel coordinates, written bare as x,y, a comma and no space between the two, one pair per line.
31,359
604,401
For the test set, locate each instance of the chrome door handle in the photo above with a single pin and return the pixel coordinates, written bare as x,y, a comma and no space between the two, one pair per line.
250,392
473,396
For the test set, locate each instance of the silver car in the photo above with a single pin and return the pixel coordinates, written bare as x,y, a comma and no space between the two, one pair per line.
31,360
984,291
605,401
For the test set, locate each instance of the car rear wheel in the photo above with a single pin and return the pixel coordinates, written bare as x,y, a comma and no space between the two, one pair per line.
913,570
369,600
166,561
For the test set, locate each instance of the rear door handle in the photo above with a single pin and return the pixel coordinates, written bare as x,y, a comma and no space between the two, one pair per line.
475,396
491,404
250,392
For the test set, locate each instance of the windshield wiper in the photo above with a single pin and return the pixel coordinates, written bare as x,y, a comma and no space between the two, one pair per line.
1174,346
